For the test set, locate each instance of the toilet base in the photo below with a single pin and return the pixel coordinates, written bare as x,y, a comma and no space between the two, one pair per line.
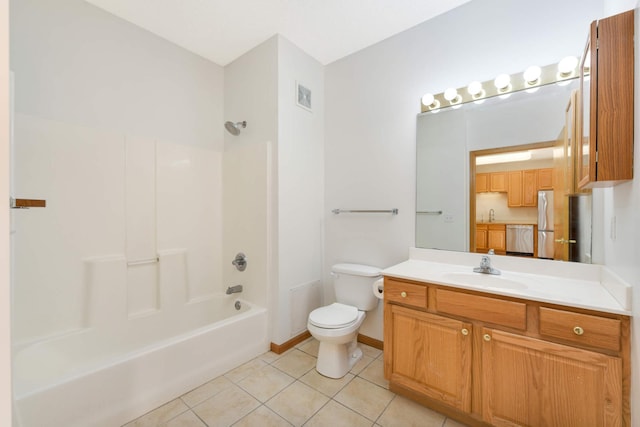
335,360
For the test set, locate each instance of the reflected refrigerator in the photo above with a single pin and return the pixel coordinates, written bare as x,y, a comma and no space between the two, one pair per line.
546,238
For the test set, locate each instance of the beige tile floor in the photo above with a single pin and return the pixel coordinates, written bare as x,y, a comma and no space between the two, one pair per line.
285,390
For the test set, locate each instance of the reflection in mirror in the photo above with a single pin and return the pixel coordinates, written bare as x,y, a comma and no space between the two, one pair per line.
468,207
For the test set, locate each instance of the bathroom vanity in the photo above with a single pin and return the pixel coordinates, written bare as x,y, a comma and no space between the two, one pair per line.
515,349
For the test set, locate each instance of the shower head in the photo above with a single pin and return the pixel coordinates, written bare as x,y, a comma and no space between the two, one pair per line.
234,128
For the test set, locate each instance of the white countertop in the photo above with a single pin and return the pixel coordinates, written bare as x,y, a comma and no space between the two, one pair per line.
586,286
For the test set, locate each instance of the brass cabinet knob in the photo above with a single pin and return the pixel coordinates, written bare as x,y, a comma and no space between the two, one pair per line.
465,331
578,330
403,294
486,337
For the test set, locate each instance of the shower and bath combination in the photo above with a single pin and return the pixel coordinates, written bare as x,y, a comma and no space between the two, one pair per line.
234,128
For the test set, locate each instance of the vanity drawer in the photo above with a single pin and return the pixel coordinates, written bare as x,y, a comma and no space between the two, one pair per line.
405,293
486,309
580,328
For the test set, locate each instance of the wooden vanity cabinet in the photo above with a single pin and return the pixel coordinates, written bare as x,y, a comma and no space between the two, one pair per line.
530,382
605,151
487,359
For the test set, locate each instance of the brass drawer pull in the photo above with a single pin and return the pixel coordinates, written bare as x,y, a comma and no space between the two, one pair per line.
486,337
403,294
464,331
578,330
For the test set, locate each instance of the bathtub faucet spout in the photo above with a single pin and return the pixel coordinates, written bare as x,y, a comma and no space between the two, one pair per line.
234,289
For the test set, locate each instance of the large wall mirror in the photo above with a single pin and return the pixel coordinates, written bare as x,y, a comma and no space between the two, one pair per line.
500,175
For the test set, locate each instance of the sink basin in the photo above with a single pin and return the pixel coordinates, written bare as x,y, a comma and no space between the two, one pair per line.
485,280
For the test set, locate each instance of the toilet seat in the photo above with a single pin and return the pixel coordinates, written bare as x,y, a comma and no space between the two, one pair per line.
333,316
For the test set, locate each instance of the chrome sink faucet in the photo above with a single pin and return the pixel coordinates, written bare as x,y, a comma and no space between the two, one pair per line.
485,266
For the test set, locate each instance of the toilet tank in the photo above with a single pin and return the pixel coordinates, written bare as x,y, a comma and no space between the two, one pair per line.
353,285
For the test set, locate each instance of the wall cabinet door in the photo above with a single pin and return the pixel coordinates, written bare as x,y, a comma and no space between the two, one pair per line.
482,182
530,188
545,179
529,382
605,155
498,182
431,355
514,196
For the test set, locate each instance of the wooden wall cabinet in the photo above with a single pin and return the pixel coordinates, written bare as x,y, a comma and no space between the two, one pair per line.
605,152
487,359
482,182
495,182
522,188
545,179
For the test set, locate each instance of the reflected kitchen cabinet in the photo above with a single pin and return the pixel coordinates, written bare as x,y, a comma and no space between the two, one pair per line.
545,179
494,182
605,155
523,188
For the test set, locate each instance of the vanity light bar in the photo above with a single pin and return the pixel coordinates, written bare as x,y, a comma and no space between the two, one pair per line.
503,85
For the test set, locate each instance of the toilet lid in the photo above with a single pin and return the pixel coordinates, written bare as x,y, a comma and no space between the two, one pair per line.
333,316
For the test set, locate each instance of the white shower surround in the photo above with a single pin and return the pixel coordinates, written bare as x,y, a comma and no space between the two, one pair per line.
119,284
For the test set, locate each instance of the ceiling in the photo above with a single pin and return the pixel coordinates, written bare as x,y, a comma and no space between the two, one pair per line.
223,30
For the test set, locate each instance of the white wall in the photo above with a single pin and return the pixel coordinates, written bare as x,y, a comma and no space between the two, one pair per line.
373,96
79,64
250,197
622,204
5,289
300,190
260,88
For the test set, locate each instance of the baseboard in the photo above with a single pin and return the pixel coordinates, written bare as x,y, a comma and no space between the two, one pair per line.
371,342
281,348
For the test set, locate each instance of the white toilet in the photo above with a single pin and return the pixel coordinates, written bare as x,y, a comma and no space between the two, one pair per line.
336,325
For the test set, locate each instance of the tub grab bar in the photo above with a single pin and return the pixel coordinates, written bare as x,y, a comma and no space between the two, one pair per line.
339,211
144,261
430,212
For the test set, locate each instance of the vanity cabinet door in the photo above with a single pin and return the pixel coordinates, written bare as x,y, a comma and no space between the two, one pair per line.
529,382
431,355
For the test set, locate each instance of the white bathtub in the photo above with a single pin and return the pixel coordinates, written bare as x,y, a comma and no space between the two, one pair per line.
88,379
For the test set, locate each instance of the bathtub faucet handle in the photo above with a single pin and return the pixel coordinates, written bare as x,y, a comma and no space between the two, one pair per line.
240,261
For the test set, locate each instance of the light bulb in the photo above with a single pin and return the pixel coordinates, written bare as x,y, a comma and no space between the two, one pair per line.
428,99
451,95
502,82
567,65
532,74
475,89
